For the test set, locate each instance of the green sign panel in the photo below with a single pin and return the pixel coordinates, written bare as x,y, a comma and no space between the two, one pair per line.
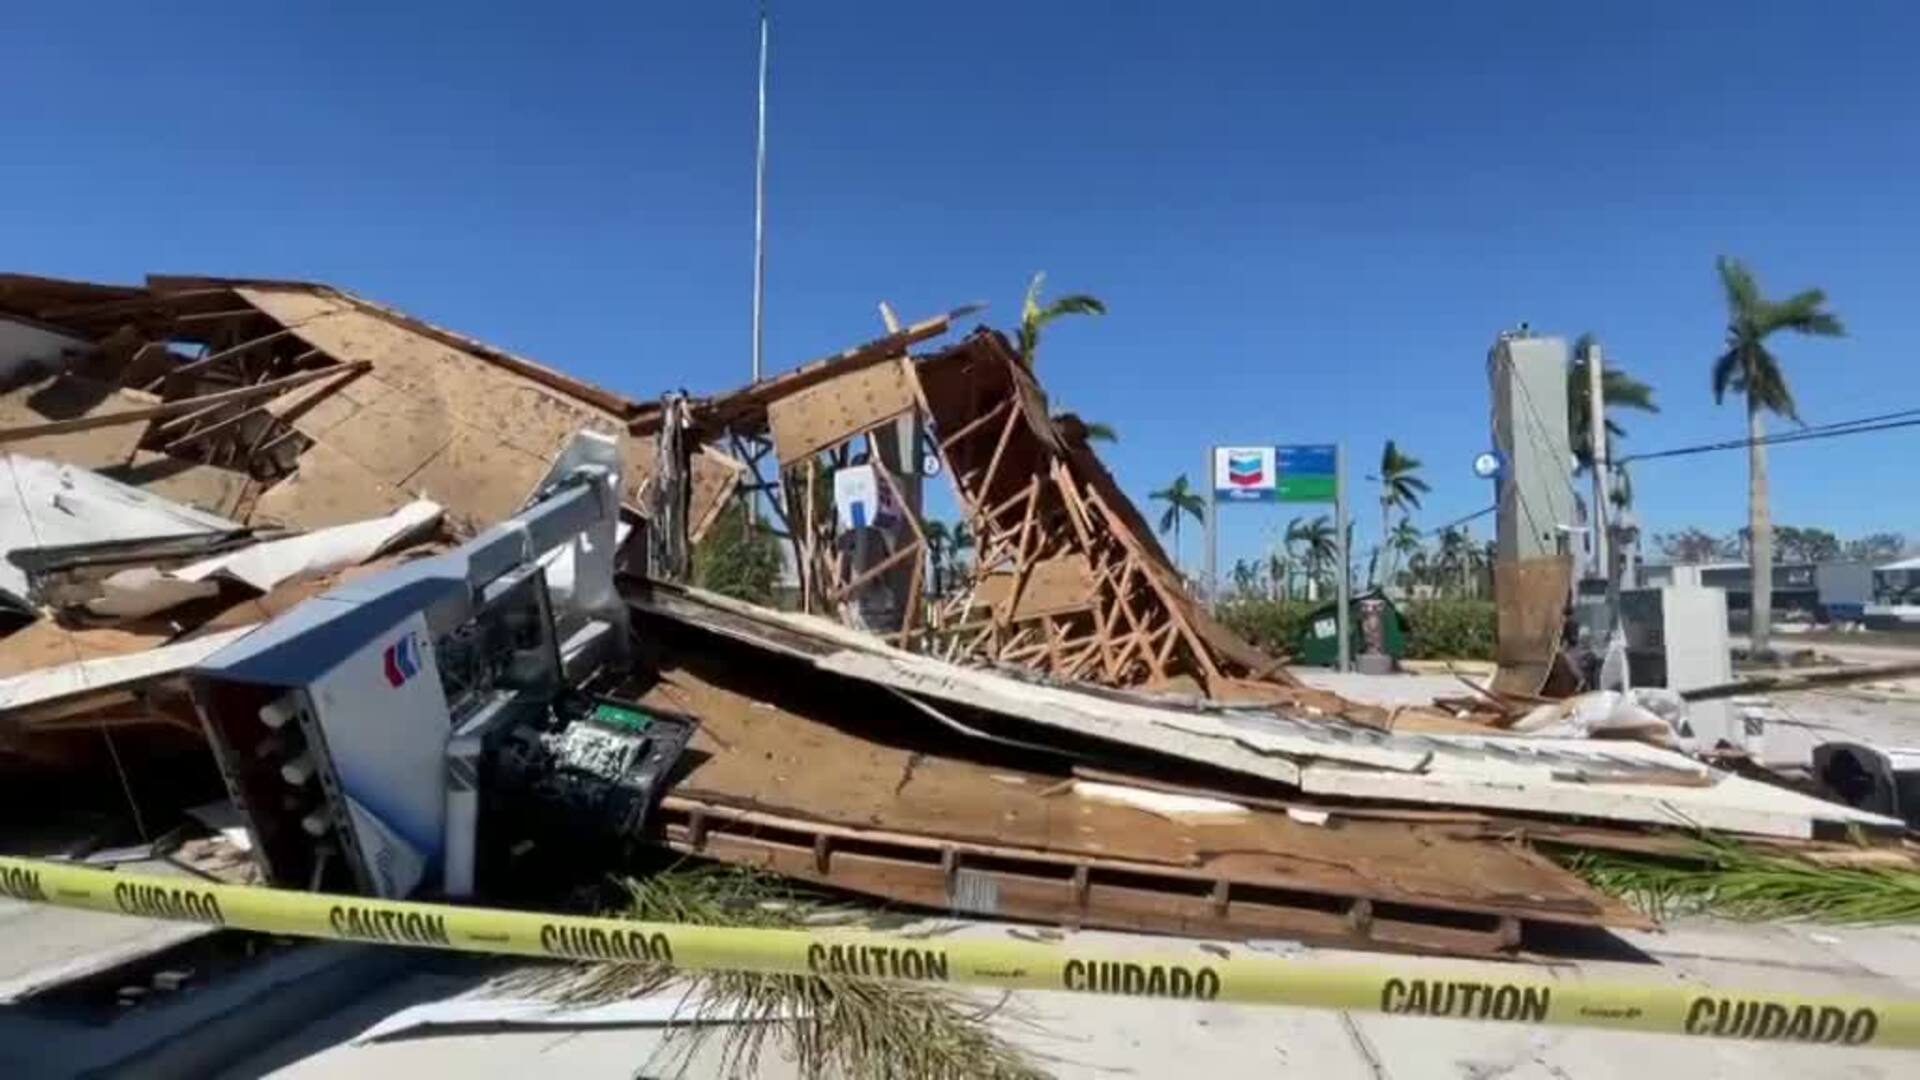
1304,473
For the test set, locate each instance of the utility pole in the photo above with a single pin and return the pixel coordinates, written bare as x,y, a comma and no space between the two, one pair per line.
1613,663
1597,428
760,202
1213,532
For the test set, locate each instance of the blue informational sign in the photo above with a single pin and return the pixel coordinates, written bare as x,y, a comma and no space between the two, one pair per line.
1274,473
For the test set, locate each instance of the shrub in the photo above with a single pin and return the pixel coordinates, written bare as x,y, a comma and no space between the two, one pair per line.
738,558
1445,629
1450,629
1274,625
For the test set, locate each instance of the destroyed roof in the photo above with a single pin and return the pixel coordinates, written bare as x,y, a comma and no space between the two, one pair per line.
281,402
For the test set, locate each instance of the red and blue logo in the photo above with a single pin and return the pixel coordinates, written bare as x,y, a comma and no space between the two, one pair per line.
402,660
1246,470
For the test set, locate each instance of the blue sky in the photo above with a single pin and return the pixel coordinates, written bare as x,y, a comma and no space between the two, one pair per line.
1308,223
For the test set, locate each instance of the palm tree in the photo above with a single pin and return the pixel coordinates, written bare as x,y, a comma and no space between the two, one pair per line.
1181,500
959,540
1245,574
1321,549
1279,574
939,542
1034,316
1618,390
1404,542
1747,367
1455,555
1400,486
1419,569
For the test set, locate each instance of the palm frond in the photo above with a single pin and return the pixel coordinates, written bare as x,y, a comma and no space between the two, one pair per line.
1101,432
1743,293
1726,374
1622,391
1802,314
1072,304
830,1025
1725,878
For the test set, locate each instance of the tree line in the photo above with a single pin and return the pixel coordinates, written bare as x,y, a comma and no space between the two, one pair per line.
1792,543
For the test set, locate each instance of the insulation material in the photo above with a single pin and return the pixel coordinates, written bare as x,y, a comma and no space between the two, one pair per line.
838,409
48,504
145,591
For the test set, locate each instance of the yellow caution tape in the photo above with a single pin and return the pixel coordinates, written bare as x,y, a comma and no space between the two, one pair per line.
1478,991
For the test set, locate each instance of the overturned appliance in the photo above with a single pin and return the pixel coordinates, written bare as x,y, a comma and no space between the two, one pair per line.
358,733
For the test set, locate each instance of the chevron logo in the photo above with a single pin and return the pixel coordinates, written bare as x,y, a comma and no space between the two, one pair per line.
402,660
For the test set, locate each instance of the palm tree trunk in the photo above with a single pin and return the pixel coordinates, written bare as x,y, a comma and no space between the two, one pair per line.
1760,533
1176,541
1383,568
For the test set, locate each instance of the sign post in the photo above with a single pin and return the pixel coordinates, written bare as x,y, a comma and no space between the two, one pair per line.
1343,583
1310,473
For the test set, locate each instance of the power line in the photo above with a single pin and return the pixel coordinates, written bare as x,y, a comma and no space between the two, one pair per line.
1455,523
1883,422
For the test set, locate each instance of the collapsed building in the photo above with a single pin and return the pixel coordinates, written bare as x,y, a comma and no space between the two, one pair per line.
205,469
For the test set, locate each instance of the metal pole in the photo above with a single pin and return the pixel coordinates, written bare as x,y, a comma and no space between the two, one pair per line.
1342,587
1597,427
1213,530
760,202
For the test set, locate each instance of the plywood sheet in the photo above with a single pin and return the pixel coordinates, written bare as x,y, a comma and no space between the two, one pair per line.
1056,586
478,479
767,755
291,307
47,644
317,409
436,376
68,397
393,436
1531,599
833,411
328,488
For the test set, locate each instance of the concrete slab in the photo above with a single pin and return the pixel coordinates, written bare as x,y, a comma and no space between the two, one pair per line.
1385,690
1082,1037
45,946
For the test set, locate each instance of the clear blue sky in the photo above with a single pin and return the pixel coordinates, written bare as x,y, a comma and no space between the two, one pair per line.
1308,223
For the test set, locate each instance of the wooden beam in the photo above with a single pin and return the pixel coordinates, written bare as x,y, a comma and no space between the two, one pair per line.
209,316
174,408
999,448
224,354
130,306
874,571
975,424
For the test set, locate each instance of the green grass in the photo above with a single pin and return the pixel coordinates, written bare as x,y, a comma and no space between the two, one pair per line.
1727,879
831,1025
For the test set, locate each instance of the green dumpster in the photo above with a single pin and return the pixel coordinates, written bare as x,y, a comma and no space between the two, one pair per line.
1319,639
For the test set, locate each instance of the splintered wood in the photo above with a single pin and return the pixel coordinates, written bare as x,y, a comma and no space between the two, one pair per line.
1069,580
284,403
1066,579
779,783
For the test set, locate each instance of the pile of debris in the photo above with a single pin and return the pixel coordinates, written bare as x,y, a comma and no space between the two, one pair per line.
419,596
